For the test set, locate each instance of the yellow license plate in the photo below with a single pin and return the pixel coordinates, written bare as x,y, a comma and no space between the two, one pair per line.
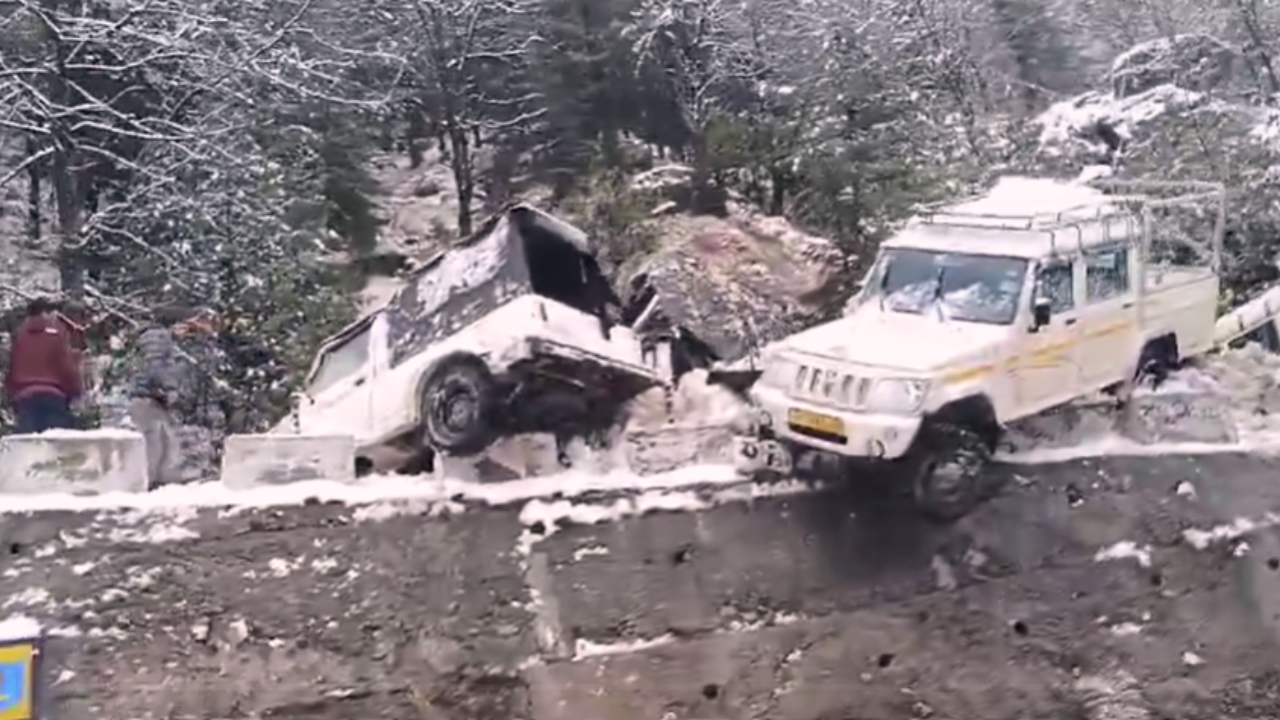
816,422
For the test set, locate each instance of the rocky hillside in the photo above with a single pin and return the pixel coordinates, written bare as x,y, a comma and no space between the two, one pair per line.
1181,109
735,278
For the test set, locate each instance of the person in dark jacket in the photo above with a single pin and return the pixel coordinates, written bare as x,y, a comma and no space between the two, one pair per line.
153,395
44,377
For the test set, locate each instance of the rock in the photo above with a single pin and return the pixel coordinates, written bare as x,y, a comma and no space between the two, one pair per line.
662,179
1186,417
1179,697
736,282
1192,62
1151,84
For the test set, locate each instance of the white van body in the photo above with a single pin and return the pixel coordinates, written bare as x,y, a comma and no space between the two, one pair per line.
364,383
946,317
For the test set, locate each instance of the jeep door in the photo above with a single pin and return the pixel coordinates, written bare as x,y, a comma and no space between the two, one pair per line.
339,390
1110,336
1046,361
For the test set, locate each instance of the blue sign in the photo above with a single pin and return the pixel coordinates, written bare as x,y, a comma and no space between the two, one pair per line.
17,680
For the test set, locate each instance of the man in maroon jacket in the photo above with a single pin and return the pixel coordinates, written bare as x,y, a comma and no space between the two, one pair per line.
43,377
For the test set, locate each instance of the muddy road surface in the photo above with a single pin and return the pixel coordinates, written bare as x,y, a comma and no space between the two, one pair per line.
1104,589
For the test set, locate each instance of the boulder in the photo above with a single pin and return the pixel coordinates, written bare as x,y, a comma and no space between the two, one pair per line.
1193,62
1155,91
736,282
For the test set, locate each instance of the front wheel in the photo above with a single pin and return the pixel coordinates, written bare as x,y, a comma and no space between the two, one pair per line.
947,474
457,407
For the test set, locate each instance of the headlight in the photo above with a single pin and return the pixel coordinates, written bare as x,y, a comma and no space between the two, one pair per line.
897,395
778,373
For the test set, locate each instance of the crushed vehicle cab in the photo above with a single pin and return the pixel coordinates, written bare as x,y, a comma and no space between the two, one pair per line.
974,316
512,331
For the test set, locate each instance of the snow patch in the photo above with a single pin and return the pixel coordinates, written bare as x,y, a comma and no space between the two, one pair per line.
590,551
280,567
29,597
587,649
1202,539
1126,629
18,627
1126,550
179,499
1066,121
1116,445
107,433
1016,195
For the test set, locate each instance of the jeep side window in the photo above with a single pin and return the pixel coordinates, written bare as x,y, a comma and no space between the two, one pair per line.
341,361
1106,273
1056,283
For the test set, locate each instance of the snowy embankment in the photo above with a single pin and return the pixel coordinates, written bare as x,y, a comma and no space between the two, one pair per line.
1246,381
1235,393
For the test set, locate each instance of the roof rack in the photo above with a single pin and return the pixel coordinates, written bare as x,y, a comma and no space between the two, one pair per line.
1119,197
1062,219
1134,198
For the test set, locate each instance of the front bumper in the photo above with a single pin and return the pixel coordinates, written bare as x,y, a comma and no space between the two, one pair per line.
847,433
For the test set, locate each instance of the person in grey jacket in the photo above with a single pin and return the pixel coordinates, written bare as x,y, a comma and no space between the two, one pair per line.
153,394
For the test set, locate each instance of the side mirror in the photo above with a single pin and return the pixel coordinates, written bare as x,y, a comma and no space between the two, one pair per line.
1041,312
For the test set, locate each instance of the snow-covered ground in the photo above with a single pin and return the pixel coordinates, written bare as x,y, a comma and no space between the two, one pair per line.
1237,388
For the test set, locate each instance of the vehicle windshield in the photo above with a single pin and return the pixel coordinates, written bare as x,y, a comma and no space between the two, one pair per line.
340,362
967,288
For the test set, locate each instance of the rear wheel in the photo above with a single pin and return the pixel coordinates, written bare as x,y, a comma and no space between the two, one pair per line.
947,472
457,406
1159,358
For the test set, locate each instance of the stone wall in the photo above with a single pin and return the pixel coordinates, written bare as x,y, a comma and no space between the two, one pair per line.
1074,594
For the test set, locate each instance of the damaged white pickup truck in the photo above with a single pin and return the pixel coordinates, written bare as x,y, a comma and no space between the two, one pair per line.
513,331
986,311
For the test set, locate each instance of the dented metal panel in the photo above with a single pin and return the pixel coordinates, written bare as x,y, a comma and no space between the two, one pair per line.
460,288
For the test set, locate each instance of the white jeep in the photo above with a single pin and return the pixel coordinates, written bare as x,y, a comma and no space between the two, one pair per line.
975,315
510,332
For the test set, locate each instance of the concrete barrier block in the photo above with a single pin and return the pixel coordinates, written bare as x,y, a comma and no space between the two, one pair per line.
508,458
72,461
1173,417
250,461
660,450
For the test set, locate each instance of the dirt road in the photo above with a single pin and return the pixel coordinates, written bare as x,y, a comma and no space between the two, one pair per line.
1104,589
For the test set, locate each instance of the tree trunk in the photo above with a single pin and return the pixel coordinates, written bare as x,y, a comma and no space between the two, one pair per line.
778,187
67,202
1257,38
611,146
68,190
463,177
703,199
416,132
33,194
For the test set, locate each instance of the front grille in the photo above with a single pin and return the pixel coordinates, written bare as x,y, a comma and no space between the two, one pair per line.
829,386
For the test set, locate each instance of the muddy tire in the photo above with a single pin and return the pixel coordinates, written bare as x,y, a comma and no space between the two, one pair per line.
457,407
1158,359
947,474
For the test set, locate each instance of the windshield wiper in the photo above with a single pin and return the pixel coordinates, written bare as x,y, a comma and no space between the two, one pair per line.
938,294
884,283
